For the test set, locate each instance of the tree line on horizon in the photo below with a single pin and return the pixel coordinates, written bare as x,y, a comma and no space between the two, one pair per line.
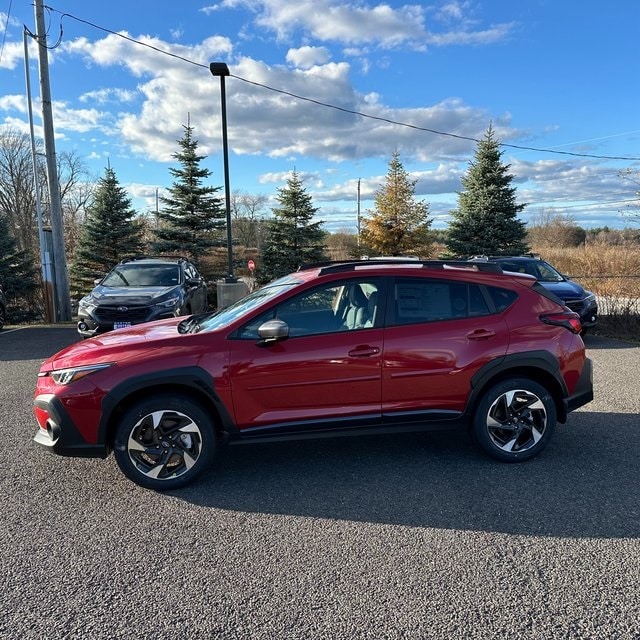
192,222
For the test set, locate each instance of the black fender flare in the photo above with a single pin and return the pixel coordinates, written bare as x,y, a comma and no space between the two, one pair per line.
543,362
194,380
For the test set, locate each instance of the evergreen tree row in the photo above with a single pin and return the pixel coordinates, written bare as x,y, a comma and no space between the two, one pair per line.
192,222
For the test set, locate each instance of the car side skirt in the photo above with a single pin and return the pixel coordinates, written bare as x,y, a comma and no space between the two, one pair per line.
353,426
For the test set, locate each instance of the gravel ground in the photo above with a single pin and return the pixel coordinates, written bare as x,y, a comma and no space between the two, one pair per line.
414,536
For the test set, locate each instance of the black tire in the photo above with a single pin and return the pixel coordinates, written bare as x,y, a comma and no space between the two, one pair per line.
164,442
515,420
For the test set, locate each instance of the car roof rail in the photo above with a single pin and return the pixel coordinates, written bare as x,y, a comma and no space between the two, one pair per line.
156,257
497,256
352,265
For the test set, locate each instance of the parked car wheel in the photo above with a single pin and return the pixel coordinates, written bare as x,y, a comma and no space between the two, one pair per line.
515,420
164,442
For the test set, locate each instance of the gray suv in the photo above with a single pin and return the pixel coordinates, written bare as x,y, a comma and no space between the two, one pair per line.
140,290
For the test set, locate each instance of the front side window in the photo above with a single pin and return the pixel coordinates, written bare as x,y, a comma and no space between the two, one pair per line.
333,307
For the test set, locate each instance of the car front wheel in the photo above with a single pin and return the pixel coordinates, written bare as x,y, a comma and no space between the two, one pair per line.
515,420
164,442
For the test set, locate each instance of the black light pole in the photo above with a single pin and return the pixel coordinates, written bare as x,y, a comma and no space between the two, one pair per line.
221,69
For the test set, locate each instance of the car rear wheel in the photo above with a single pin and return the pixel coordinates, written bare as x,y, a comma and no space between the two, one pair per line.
164,442
515,420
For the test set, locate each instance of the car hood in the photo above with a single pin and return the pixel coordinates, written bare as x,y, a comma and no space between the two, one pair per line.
118,345
130,296
565,290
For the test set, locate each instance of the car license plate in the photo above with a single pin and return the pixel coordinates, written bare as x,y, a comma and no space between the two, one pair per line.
121,325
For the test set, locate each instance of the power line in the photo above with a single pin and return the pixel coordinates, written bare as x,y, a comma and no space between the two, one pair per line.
6,27
333,106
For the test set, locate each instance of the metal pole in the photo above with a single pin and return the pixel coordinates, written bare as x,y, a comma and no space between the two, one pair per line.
227,191
63,307
44,255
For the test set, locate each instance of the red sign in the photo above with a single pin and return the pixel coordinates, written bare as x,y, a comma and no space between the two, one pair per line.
252,265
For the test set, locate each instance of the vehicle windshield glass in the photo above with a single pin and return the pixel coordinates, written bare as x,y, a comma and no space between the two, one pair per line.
541,270
226,316
142,275
548,273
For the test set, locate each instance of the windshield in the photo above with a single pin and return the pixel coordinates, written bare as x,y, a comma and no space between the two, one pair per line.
141,275
543,271
226,316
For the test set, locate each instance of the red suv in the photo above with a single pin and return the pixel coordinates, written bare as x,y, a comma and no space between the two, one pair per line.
353,347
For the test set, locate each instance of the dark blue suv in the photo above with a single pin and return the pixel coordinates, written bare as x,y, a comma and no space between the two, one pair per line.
573,295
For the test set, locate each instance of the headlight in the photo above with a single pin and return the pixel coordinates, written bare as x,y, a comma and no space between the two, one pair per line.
67,376
169,303
87,303
590,297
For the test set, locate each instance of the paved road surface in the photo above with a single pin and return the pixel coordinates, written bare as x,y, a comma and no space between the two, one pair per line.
419,536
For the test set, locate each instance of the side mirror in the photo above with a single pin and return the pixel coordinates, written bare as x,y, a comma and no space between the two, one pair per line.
273,330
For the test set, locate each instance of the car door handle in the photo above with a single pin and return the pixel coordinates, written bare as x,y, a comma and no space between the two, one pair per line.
364,351
481,334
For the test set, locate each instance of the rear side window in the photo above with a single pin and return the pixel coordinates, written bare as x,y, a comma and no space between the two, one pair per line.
419,300
502,298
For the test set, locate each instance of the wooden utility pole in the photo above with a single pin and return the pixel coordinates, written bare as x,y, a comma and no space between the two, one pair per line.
62,300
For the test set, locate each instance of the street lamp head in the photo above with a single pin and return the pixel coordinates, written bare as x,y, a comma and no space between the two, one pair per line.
219,69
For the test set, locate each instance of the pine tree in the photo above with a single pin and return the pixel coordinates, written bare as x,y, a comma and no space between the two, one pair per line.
193,217
293,239
485,221
109,234
399,225
18,275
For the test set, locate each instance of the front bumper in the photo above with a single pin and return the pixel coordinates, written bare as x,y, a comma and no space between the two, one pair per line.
57,433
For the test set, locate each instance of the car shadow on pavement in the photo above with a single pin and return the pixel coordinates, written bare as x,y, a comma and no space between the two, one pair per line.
602,342
35,342
583,485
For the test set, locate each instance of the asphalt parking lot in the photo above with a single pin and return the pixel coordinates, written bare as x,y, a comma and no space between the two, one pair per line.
415,536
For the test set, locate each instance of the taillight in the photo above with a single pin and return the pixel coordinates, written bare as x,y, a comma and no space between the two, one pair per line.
567,319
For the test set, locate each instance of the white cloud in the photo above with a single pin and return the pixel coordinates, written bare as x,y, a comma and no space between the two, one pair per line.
12,55
13,103
104,96
355,24
307,57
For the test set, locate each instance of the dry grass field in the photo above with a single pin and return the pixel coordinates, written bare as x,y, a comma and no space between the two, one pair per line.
613,274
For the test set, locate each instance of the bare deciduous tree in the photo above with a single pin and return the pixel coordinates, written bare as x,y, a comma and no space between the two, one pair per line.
248,211
17,190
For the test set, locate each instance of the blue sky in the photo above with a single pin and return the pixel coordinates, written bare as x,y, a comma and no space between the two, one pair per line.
557,76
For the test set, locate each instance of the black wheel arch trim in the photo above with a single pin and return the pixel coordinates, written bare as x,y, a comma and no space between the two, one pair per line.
538,360
194,380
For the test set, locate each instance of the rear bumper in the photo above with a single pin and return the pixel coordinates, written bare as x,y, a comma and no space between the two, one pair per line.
583,393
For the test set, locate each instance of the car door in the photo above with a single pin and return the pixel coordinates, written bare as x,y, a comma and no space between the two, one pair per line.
197,294
438,334
323,376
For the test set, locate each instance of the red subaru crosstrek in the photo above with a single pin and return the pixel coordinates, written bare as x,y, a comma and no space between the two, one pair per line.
350,347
